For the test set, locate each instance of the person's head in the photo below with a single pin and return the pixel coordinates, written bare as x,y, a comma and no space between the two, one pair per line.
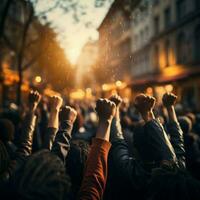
172,184
4,159
186,124
42,177
7,130
76,161
192,117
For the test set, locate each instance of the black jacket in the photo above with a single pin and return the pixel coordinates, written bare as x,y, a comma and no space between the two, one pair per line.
134,173
61,143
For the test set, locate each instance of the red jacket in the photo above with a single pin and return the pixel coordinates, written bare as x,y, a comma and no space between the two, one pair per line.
94,180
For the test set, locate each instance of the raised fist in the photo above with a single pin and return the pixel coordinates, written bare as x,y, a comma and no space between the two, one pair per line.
116,99
34,99
56,103
144,103
169,99
105,109
68,113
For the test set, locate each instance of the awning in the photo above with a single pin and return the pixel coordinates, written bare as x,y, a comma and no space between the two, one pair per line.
167,75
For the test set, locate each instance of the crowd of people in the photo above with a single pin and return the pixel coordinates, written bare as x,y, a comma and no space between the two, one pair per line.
110,149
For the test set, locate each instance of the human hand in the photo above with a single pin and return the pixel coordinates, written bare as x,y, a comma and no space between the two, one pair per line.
68,113
169,99
34,99
144,103
116,99
105,109
55,103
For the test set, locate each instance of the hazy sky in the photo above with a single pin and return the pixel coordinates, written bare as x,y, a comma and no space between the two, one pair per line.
72,34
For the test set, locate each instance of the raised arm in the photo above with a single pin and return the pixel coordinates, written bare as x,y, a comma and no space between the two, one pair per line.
120,161
94,180
174,129
26,136
61,143
153,144
116,129
53,123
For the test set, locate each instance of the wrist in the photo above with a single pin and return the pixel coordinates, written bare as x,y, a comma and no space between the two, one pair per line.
103,130
33,107
68,121
148,116
105,121
169,108
117,114
54,110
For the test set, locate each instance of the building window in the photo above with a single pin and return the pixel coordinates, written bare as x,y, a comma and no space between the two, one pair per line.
146,33
181,9
197,43
167,53
167,17
181,49
156,24
156,56
155,2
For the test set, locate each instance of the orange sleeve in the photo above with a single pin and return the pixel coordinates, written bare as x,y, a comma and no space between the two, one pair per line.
94,180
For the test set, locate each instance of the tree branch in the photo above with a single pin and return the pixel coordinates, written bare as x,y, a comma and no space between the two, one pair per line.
41,14
4,15
31,42
9,43
31,62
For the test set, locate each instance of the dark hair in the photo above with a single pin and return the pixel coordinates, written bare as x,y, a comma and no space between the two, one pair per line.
7,130
4,158
75,163
186,124
172,184
42,177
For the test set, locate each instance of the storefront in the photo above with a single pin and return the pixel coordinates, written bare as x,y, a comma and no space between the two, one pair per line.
183,81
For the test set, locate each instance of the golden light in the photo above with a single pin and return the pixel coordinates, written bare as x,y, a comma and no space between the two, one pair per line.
88,93
38,79
78,94
105,87
149,91
88,90
5,65
118,83
25,87
173,70
113,92
169,88
49,92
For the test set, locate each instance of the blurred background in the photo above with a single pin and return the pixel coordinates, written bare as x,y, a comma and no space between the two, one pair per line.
84,49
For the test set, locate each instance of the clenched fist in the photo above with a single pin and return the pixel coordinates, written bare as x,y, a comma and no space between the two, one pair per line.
144,103
169,99
105,109
116,99
56,103
68,113
34,99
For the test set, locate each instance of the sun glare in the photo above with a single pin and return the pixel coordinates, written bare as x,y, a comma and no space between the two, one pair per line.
72,36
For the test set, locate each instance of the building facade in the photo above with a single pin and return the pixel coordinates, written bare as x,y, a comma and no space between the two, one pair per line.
115,42
86,60
141,35
165,40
